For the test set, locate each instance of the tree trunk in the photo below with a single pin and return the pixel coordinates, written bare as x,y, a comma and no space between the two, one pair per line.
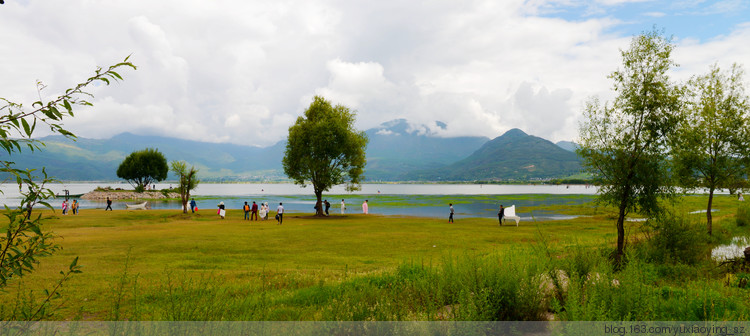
620,234
708,210
319,203
185,198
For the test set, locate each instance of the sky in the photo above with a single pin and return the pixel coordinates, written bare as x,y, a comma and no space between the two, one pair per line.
243,71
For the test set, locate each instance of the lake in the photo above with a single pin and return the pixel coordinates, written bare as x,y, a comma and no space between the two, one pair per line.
427,200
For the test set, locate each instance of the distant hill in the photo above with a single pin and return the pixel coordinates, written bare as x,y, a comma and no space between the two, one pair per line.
567,145
397,151
397,147
514,155
98,159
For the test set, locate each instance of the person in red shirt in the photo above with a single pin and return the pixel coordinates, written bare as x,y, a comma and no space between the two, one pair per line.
255,211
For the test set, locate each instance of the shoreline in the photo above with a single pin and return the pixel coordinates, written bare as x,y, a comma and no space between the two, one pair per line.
128,195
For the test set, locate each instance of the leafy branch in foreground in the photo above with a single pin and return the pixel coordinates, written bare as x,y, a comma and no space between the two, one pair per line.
24,241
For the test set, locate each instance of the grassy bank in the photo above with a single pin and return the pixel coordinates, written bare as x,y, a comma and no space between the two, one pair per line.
162,265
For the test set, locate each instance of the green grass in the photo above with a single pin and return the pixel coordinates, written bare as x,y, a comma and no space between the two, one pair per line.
163,265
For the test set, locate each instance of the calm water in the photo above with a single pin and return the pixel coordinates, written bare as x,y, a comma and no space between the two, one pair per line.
470,200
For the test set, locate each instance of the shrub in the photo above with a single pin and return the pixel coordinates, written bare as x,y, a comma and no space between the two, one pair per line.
675,239
743,216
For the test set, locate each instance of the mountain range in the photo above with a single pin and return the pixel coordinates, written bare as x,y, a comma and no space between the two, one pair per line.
397,151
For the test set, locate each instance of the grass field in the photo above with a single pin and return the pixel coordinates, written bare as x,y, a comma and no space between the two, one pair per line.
163,265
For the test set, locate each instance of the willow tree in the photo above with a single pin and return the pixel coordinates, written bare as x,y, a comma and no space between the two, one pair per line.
712,144
324,149
623,143
188,181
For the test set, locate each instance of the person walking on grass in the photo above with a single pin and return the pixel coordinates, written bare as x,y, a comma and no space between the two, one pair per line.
501,214
328,206
74,207
65,207
192,205
280,213
365,207
254,211
109,205
222,210
450,218
343,206
246,208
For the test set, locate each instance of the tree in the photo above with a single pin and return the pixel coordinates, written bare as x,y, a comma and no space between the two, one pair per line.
325,149
23,241
140,168
712,145
623,143
188,181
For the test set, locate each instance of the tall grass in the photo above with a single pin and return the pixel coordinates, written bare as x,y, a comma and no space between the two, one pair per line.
743,215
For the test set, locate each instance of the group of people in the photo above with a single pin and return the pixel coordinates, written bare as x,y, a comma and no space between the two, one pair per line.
260,212
73,207
252,212
327,206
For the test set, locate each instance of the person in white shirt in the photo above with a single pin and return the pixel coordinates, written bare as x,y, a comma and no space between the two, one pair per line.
280,213
263,211
343,206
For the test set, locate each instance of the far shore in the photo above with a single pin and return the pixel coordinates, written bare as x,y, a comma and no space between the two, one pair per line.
128,195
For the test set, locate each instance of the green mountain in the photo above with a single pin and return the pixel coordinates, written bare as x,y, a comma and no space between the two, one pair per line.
567,145
397,147
397,151
98,159
514,155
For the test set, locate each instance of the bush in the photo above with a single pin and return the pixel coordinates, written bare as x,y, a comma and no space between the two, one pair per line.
675,239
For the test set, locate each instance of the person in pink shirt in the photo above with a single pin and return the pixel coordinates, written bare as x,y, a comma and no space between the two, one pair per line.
364,207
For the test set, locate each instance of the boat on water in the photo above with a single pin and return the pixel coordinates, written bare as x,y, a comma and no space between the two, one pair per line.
67,194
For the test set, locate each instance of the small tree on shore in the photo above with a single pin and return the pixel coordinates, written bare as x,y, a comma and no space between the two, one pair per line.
188,181
324,148
140,168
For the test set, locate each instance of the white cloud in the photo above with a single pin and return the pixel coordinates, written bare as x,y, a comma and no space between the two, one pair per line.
242,71
655,14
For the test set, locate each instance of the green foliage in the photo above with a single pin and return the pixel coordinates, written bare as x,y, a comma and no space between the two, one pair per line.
622,143
324,148
140,168
188,181
24,241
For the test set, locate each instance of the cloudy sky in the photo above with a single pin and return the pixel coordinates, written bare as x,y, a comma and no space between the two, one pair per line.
242,71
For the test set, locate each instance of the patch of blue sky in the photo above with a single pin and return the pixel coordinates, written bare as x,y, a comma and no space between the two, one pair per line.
685,19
